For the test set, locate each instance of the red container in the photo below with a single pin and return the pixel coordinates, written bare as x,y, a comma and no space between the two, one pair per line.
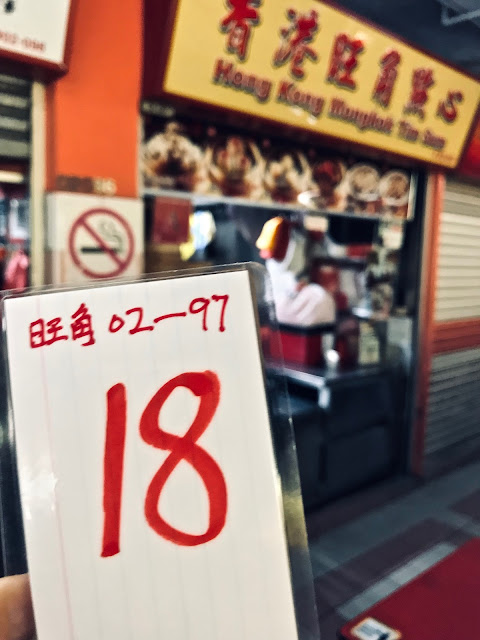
300,345
346,341
359,250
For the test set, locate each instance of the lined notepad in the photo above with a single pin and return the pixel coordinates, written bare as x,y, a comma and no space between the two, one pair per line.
150,496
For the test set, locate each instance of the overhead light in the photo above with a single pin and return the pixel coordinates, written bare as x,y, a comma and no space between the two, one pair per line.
12,177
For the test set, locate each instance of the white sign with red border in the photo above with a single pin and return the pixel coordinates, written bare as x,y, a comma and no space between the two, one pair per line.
150,493
34,30
93,238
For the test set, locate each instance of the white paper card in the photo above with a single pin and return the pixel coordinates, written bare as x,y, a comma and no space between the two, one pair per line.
35,29
191,529
371,629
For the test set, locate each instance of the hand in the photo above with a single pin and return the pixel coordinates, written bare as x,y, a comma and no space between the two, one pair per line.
16,613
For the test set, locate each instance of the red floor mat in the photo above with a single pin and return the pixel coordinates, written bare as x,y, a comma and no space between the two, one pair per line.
441,604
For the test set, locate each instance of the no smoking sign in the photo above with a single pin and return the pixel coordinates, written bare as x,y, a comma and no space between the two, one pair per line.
101,244
92,238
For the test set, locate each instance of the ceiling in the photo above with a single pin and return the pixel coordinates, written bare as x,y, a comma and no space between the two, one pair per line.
420,22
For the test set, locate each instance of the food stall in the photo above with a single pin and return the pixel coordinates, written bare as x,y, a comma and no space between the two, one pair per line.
275,142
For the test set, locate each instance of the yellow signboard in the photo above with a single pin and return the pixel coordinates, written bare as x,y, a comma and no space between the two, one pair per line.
306,64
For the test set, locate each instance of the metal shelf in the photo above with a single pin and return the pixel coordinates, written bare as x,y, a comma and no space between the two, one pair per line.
210,200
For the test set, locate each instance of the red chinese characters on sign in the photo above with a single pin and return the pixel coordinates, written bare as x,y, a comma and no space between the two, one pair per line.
43,333
448,109
238,25
422,81
296,39
82,328
344,60
385,83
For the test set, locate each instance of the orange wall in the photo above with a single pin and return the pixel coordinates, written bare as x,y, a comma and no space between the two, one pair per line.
92,112
433,213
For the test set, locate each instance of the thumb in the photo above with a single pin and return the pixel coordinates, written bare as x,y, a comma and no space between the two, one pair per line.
16,613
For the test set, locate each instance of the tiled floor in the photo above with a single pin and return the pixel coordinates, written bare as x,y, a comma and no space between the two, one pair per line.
365,547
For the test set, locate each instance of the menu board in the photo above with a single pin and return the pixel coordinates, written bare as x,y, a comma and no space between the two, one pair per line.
308,65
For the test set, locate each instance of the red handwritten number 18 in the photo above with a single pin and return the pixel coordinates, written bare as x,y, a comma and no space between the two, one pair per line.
204,385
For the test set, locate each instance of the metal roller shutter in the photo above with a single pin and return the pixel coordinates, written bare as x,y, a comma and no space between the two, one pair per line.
458,279
453,413
15,104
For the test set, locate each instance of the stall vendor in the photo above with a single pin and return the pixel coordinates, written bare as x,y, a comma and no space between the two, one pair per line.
298,302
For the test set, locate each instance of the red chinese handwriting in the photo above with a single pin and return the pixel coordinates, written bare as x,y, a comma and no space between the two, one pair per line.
385,83
344,60
44,333
422,81
205,386
239,23
82,326
448,109
296,39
